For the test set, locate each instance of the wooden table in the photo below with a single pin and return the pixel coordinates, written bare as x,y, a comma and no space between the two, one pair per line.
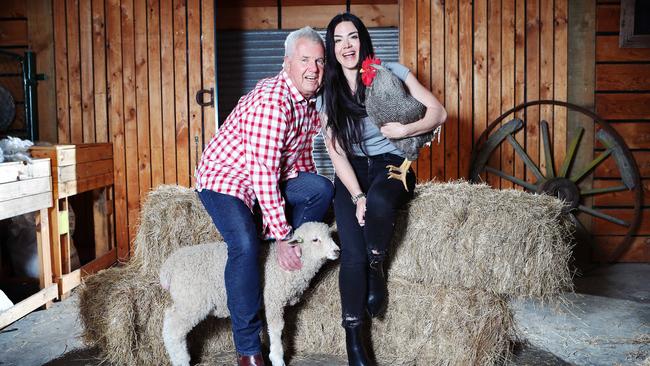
27,188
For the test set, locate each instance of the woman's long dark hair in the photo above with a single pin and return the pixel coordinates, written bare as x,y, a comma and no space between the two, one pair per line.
344,110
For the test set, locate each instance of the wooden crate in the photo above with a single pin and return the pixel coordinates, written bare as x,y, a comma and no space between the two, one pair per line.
27,188
78,169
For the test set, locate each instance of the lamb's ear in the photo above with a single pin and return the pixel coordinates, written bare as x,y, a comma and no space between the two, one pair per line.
295,241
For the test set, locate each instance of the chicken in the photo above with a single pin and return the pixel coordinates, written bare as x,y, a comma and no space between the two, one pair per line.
387,100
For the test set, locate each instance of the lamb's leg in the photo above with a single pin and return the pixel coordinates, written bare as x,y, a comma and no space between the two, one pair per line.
275,323
177,323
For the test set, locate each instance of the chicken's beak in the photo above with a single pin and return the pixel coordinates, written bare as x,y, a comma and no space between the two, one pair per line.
362,70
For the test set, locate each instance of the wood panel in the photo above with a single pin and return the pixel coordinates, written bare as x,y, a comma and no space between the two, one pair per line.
142,98
560,81
607,50
607,18
479,58
507,81
74,72
13,32
126,72
437,83
623,77
15,8
155,93
465,102
423,71
494,78
40,35
622,84
623,106
451,90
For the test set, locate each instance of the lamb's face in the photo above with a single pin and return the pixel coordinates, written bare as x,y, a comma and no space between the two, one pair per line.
317,239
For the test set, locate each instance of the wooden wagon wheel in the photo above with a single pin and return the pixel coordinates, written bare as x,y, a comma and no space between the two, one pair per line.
565,183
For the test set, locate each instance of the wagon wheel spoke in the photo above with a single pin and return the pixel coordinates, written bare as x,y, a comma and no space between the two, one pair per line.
515,180
597,191
527,160
571,154
591,166
548,154
602,215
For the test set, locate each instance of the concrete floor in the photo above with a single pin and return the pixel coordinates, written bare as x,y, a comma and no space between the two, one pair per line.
606,322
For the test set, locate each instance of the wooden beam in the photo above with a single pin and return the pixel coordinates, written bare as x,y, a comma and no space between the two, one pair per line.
41,40
155,93
580,91
28,305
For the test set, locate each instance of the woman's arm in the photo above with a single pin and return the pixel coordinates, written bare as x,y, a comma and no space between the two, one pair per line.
345,173
434,116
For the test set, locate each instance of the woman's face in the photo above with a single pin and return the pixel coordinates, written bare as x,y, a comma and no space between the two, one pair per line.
346,45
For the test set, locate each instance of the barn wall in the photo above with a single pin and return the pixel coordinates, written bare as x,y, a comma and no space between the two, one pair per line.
622,97
127,72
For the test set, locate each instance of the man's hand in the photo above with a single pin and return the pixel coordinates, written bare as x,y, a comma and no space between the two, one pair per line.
288,256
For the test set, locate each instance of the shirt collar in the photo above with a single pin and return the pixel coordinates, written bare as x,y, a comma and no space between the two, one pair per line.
295,94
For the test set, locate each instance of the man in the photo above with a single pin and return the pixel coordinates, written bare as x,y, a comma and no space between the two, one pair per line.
262,153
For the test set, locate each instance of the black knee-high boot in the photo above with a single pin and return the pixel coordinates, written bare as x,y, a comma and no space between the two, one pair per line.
377,290
354,343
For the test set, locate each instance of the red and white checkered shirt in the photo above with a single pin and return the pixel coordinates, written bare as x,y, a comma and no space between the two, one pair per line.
266,139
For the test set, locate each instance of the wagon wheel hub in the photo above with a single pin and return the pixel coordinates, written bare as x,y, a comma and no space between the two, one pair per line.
563,189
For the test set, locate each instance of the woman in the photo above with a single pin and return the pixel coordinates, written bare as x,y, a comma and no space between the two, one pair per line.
365,201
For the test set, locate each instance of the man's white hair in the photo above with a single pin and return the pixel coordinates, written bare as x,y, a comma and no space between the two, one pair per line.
305,32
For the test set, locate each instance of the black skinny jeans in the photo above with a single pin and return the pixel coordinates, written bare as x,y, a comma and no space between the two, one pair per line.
384,197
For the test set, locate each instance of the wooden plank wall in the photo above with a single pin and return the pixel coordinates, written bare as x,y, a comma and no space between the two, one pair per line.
133,80
127,72
293,14
481,58
623,99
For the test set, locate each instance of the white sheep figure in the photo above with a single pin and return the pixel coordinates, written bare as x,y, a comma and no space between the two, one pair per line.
194,277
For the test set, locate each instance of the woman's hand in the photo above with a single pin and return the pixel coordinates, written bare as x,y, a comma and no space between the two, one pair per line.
361,211
394,130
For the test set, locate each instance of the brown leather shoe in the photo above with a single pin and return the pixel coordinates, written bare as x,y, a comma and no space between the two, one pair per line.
254,360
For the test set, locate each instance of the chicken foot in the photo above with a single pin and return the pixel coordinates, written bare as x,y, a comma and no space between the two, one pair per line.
399,172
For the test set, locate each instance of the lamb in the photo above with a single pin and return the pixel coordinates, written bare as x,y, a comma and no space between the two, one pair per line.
194,277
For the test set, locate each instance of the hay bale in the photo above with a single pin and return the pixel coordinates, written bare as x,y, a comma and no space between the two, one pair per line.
469,235
424,324
121,313
171,217
122,316
459,250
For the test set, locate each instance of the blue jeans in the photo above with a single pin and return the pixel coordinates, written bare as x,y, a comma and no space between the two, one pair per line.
307,198
360,245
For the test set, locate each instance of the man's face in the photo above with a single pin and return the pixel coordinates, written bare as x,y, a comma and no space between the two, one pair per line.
305,66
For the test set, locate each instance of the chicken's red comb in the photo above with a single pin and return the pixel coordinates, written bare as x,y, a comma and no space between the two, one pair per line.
369,61
368,72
